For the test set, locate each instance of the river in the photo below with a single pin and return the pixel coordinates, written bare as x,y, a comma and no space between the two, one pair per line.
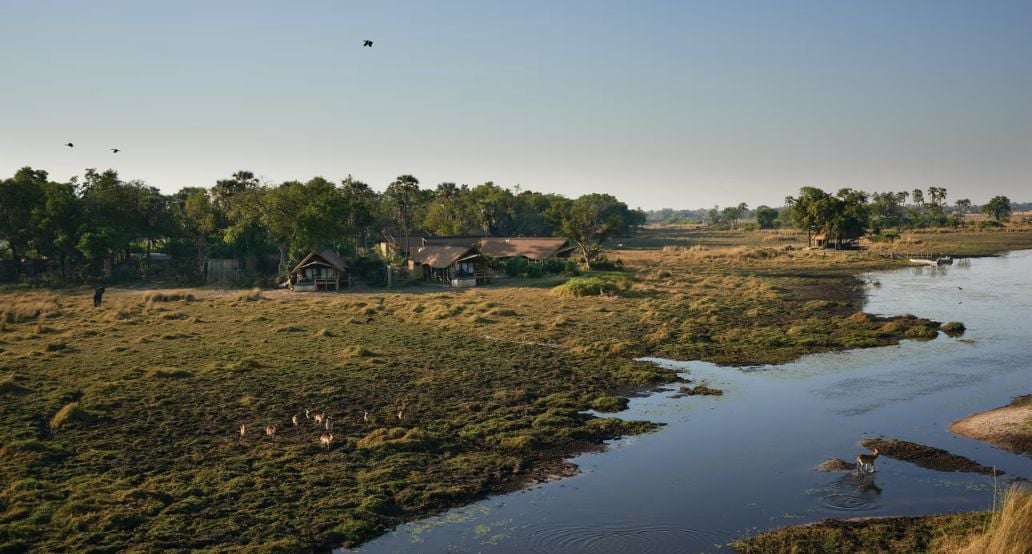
727,467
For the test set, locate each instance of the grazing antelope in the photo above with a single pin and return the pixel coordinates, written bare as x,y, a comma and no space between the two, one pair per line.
318,417
326,439
270,431
243,430
306,414
293,419
863,461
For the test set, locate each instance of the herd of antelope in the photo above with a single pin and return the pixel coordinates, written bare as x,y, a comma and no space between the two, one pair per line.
321,420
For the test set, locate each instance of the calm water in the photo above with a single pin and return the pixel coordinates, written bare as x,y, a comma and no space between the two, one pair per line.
727,467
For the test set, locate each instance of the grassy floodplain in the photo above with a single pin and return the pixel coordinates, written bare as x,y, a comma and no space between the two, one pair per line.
121,424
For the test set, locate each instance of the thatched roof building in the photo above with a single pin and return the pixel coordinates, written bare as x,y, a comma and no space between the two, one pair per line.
535,249
320,270
458,266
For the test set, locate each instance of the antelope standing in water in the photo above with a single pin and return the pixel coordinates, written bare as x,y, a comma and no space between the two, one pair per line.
326,439
270,431
863,461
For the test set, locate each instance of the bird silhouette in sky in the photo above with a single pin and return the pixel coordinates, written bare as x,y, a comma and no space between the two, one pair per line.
368,43
114,150
70,145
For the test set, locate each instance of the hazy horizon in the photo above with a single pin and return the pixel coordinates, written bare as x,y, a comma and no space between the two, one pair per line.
662,104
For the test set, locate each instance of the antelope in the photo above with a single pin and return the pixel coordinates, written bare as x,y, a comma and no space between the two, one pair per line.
318,417
306,414
329,424
365,417
243,430
270,431
326,439
293,419
865,460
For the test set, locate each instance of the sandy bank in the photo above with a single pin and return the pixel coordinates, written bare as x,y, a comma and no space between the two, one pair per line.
1009,427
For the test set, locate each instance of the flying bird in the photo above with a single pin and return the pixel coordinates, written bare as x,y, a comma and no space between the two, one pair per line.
114,150
368,43
70,145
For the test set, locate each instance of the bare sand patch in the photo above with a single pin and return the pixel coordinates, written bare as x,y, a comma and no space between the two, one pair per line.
1009,427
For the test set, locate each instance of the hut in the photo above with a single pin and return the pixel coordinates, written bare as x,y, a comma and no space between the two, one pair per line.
320,270
401,246
534,249
457,266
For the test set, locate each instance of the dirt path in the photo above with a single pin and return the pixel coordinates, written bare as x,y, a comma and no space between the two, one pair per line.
1009,427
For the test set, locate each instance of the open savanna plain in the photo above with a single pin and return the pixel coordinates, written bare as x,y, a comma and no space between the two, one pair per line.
121,424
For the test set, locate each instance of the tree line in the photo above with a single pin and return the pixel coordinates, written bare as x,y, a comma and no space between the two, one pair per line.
100,226
849,213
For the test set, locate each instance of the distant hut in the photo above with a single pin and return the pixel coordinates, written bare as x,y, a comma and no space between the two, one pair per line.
821,240
457,266
320,270
401,246
534,249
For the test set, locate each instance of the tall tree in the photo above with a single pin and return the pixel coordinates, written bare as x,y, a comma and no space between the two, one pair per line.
998,208
592,219
403,196
20,197
765,217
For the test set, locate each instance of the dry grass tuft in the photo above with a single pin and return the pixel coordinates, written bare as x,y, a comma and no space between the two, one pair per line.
9,385
29,310
153,296
253,295
168,373
356,352
1009,530
70,414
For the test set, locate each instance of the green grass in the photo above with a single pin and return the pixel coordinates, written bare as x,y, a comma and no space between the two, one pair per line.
492,383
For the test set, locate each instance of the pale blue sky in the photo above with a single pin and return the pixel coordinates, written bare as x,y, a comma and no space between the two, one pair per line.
664,104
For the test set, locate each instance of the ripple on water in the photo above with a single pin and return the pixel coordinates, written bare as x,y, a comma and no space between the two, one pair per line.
615,539
851,493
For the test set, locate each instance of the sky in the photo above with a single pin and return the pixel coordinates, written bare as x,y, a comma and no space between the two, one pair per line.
673,104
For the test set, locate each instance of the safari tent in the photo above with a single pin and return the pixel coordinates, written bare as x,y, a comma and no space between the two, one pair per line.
320,270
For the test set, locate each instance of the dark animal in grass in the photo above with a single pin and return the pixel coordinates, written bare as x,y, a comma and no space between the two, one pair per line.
368,43
98,295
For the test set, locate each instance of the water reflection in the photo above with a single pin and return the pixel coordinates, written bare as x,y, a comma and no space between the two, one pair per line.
731,466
